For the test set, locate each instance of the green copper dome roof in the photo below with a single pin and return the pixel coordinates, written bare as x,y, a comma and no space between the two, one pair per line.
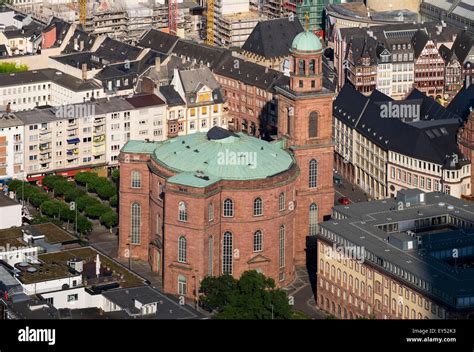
306,41
201,159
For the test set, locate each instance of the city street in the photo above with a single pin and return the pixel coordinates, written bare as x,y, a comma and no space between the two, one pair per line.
349,191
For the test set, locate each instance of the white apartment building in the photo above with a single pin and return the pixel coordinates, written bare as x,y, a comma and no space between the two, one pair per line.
29,89
54,142
139,118
87,135
408,172
11,147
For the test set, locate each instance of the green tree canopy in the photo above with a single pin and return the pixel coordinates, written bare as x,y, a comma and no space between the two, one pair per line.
85,201
253,296
113,201
83,225
96,210
116,175
38,198
106,190
73,194
51,180
51,208
109,219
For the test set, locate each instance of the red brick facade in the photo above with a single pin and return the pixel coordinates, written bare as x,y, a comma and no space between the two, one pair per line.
286,197
305,121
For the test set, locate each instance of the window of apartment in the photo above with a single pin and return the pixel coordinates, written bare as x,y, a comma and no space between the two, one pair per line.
72,298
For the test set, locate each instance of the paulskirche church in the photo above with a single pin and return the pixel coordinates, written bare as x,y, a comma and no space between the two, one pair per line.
222,202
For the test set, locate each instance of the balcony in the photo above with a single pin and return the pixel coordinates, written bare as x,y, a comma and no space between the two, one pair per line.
99,121
98,150
45,146
99,130
73,140
45,137
99,140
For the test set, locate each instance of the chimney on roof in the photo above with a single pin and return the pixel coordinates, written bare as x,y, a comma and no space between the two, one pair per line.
9,108
84,71
81,45
266,69
157,64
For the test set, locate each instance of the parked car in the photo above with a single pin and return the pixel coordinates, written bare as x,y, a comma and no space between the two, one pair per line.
344,201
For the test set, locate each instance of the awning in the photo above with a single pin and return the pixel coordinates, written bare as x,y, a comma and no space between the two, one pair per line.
73,140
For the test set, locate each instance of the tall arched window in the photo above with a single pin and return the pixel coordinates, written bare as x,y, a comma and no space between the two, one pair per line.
182,251
313,173
135,216
182,285
313,124
210,265
160,191
183,212
210,211
281,238
227,249
313,219
257,207
136,178
257,241
289,114
281,201
312,66
228,208
301,67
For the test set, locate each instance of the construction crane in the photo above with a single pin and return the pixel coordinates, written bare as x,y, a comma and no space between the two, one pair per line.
210,22
173,16
83,12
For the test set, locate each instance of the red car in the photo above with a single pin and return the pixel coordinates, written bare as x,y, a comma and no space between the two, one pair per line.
344,201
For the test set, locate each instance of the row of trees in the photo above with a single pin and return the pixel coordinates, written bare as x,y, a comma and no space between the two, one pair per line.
90,206
51,210
94,183
58,210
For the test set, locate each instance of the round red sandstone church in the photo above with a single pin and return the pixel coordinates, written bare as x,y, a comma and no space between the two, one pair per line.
217,202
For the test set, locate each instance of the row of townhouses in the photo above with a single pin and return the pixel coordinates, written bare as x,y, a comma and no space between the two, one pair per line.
394,59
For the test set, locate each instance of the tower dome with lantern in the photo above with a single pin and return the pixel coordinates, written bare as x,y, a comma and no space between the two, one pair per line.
306,64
